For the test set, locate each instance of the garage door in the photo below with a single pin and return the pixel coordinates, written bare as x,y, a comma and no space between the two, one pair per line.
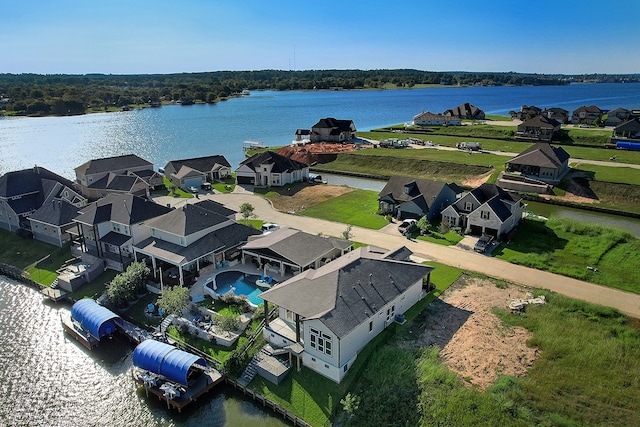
491,231
247,180
476,230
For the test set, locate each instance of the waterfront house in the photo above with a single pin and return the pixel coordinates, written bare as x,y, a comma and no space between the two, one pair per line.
538,128
25,191
541,161
617,117
587,115
269,169
111,226
487,209
327,315
291,251
626,135
188,238
119,174
466,111
329,130
431,119
526,112
405,197
194,172
53,222
556,113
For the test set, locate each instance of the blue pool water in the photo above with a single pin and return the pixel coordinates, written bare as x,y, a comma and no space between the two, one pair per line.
242,284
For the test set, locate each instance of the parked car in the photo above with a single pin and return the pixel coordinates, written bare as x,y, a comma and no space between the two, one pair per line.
206,186
483,244
407,226
193,189
269,227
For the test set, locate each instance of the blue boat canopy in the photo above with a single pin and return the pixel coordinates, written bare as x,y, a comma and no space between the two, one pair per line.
166,360
94,318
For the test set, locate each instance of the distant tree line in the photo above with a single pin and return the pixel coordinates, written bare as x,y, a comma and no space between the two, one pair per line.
59,94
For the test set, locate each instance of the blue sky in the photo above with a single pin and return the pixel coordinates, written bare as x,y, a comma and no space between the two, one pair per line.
146,36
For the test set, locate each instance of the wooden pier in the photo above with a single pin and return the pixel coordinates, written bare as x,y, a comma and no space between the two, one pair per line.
200,386
78,333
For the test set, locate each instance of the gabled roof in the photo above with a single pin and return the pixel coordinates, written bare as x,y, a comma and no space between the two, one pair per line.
331,123
589,109
33,186
486,192
425,189
216,207
298,247
219,240
187,220
201,164
56,212
121,208
557,110
632,125
542,154
115,182
108,164
348,291
541,122
497,205
281,164
464,110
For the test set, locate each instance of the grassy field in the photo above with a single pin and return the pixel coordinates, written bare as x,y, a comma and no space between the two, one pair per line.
568,248
587,373
356,208
623,175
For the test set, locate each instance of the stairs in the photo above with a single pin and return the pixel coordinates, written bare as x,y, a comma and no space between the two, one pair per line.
165,323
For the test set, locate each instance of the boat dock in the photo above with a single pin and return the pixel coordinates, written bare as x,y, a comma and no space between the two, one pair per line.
80,335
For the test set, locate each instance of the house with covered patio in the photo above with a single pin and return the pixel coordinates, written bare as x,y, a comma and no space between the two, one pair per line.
328,315
188,238
291,251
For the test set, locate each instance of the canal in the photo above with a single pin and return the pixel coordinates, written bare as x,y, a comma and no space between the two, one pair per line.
632,225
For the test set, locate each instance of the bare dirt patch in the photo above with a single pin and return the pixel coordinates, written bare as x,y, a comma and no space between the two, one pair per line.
307,197
473,341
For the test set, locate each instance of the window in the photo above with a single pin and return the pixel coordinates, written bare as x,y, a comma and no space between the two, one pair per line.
290,315
468,206
371,326
485,214
391,312
321,342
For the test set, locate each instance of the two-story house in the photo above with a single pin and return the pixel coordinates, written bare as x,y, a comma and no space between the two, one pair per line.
466,111
487,209
24,192
556,113
538,128
119,174
111,226
327,315
270,169
190,237
587,115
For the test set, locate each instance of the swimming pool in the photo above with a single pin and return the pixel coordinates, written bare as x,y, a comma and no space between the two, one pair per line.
238,282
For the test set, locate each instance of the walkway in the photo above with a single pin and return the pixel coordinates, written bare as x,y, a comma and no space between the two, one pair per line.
389,238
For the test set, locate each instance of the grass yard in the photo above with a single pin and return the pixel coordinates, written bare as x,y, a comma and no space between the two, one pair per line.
356,207
623,175
568,248
448,239
44,272
20,252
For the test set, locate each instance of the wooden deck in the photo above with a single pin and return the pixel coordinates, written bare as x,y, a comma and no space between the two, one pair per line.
197,388
81,336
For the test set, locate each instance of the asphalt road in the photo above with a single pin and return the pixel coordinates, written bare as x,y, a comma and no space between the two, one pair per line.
465,259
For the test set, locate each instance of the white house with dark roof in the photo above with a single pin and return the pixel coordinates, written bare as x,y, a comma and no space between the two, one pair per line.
190,237
24,192
586,114
328,315
541,161
333,130
291,251
198,170
487,209
406,197
431,119
270,169
110,227
119,174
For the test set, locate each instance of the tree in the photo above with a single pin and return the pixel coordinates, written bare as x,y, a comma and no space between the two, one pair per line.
247,211
174,300
346,234
127,285
350,403
423,225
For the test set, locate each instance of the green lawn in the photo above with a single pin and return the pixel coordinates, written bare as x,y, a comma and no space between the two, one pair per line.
568,248
19,252
357,208
44,272
622,175
448,239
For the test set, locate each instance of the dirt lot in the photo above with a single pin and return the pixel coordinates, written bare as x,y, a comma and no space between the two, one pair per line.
307,197
473,341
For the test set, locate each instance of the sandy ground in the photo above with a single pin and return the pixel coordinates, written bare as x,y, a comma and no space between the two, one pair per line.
307,197
473,341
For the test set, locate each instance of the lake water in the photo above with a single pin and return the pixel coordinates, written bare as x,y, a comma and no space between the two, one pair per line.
271,117
49,380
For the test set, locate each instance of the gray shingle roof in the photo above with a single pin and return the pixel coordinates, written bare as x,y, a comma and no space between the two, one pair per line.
108,164
295,246
33,185
348,291
542,154
187,220
201,164
281,164
57,213
121,208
